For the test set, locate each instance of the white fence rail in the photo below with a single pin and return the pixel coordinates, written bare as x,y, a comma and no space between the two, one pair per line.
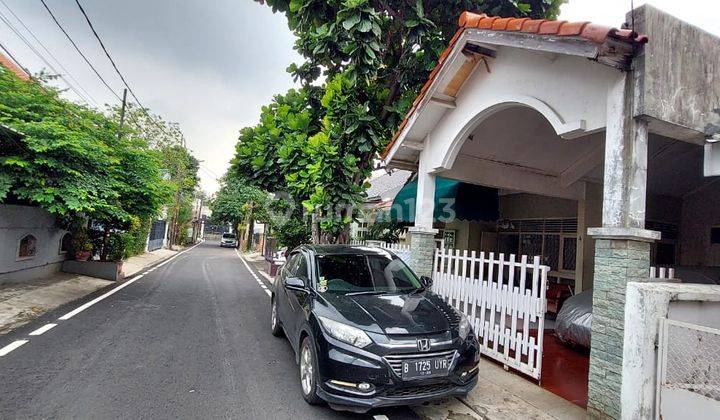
662,273
688,380
504,300
401,250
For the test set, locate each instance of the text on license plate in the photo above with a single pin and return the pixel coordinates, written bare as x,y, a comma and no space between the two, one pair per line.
425,367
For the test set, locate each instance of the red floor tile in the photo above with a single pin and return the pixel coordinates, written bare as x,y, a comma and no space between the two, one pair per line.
565,370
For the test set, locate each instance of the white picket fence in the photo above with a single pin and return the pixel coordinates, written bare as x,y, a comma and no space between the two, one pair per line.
504,300
401,250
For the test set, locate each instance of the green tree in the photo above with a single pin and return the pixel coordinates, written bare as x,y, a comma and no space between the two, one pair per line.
319,142
178,166
239,204
70,159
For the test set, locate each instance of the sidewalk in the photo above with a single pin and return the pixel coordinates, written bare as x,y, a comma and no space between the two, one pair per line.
499,394
137,263
22,302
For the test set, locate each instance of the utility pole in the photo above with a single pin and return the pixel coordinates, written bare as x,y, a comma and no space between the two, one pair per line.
122,112
106,230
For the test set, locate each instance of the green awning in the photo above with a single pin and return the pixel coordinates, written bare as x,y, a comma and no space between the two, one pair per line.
464,201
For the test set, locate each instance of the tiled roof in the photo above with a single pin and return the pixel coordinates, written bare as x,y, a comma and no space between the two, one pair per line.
387,185
10,65
592,32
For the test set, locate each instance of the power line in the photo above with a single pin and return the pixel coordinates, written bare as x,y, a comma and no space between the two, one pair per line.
143,109
107,53
78,50
42,45
4,19
12,57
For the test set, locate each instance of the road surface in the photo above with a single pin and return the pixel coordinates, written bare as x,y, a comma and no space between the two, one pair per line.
189,339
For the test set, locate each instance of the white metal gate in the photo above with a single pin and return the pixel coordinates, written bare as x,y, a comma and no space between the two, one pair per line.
504,300
688,372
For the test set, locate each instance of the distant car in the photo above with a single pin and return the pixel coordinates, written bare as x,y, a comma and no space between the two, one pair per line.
229,239
367,332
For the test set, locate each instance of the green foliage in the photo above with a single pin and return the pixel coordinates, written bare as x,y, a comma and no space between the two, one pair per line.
237,200
318,143
384,230
288,224
134,239
179,168
70,159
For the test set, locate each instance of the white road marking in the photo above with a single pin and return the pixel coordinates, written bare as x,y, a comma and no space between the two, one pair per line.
381,417
257,279
12,346
117,289
99,298
43,329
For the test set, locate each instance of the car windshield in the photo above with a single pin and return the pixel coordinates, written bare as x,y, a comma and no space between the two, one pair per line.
229,236
355,274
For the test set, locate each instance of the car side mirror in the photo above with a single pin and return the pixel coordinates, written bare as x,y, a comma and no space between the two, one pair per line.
426,282
294,283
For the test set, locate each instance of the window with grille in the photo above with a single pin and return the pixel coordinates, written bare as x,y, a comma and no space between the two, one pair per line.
28,247
569,254
554,240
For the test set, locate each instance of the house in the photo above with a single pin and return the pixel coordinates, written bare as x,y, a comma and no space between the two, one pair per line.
602,145
31,245
384,186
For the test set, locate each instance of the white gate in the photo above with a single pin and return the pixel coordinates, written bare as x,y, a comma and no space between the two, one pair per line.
504,300
688,378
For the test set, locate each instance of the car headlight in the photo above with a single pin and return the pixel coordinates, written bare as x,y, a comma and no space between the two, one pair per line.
465,328
345,333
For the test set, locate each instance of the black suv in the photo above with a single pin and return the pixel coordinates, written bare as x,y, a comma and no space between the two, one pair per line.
367,332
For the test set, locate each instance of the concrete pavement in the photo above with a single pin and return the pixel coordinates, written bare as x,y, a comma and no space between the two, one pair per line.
22,302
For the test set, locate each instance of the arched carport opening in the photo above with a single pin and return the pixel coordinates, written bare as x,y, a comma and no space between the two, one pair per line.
549,192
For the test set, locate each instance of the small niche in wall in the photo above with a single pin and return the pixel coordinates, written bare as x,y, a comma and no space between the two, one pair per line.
715,235
65,243
27,248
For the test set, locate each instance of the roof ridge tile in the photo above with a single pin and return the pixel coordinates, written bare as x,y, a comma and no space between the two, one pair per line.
588,30
592,32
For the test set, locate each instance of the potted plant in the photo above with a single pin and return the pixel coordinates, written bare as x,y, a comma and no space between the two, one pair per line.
83,246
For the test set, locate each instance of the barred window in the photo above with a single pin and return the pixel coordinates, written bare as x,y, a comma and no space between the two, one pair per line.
28,247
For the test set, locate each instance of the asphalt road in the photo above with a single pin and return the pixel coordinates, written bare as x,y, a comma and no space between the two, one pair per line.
190,339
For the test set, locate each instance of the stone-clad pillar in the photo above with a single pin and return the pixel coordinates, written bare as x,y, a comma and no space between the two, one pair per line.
422,250
422,235
617,262
622,246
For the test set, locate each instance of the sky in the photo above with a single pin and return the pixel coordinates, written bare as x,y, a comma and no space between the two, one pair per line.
211,65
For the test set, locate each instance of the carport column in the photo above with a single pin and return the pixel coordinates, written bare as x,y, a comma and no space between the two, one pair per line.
622,246
422,235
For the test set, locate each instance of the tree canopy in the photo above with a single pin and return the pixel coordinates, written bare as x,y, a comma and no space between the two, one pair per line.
70,160
73,160
236,200
365,61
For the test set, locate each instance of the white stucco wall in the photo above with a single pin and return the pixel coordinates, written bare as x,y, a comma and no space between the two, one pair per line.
648,303
15,223
568,91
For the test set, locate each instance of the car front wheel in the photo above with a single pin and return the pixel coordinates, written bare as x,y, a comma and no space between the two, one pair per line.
308,372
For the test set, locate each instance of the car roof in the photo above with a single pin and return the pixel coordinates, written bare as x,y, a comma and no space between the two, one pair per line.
344,249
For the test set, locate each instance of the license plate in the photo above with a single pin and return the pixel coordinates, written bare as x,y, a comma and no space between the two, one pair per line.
423,368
